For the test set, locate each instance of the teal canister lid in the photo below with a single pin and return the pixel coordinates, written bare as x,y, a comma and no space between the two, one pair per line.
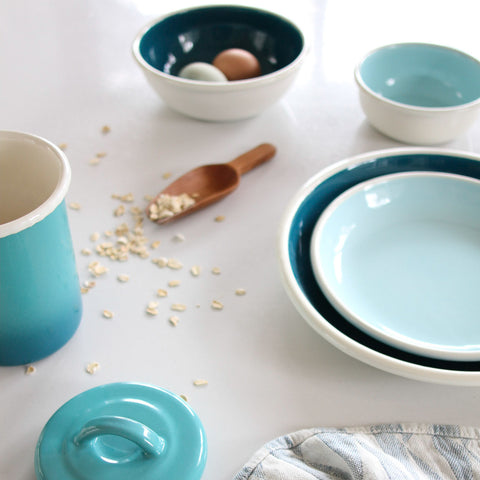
122,431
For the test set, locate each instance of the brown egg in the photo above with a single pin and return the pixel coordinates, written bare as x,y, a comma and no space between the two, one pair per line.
237,64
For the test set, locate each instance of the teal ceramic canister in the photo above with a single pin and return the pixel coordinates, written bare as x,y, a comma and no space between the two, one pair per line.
40,300
122,431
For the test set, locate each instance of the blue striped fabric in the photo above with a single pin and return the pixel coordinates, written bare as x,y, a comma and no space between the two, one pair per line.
378,452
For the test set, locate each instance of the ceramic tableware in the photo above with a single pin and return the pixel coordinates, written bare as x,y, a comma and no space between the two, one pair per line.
419,93
198,34
399,256
122,431
295,232
40,304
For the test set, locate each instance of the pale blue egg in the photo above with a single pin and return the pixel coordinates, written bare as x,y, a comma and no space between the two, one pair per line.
202,71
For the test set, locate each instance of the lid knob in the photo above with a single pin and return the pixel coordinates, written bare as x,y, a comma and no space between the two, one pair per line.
149,441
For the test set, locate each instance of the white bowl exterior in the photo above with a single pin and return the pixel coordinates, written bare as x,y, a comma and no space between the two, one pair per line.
226,102
417,126
325,328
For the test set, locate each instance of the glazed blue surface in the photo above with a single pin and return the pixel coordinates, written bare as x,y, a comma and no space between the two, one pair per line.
40,296
399,256
307,216
422,75
122,431
198,35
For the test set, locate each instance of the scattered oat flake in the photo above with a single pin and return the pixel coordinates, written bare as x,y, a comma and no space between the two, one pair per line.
174,264
108,233
220,218
63,146
184,397
86,252
92,367
216,271
89,284
179,237
178,307
107,314
94,161
119,211
94,236
123,277
216,305
151,310
84,290
97,269
167,175
200,382
30,370
155,244
174,283
75,206
195,270
101,154
106,129
174,320
161,292
240,291
148,198
160,262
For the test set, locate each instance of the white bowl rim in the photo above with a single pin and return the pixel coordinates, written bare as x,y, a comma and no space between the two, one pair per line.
335,337
404,106
220,87
418,347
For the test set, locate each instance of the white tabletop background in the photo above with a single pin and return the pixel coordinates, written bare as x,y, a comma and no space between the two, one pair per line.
66,70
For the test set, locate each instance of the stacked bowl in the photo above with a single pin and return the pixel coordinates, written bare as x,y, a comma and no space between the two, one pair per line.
433,352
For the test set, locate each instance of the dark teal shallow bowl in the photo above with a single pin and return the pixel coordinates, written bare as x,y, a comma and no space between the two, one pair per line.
297,273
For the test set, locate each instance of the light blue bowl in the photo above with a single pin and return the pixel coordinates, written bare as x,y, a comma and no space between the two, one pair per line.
296,269
419,93
422,75
399,257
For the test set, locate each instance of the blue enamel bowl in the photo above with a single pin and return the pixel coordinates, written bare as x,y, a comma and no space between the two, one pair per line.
298,277
419,93
166,45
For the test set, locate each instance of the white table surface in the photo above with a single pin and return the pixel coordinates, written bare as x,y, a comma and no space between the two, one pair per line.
65,71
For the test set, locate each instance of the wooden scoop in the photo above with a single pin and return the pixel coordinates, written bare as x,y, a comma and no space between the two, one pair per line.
209,183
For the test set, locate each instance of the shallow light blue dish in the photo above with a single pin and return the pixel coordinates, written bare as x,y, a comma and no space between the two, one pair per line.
293,246
122,431
399,257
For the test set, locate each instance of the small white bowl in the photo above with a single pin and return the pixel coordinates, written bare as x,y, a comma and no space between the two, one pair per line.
166,45
419,93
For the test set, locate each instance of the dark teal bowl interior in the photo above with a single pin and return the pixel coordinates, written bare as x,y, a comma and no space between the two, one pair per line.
198,35
311,208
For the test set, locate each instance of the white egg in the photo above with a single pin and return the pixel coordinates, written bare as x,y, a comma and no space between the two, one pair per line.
201,71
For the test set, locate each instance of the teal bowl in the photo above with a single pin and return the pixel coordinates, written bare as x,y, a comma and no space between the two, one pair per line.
419,93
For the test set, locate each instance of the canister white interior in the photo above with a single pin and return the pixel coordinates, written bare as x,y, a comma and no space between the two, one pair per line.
34,178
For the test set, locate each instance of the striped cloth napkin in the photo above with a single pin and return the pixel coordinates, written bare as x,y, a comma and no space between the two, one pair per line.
376,452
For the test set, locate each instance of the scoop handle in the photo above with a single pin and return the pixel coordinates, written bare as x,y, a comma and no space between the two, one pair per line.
151,443
251,159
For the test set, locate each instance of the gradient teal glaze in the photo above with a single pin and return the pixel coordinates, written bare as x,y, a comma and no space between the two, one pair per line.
422,75
315,203
39,290
122,431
